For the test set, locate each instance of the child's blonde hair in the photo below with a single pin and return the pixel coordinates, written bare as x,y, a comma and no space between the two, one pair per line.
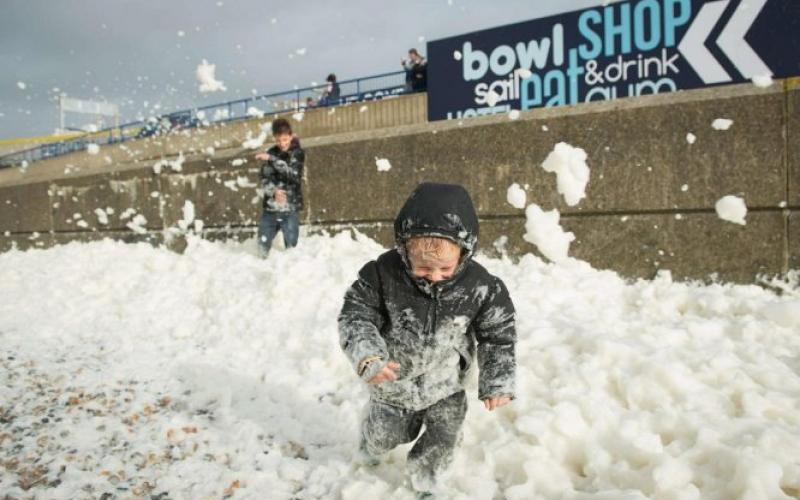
431,249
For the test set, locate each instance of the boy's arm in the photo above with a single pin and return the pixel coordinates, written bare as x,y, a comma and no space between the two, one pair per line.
360,323
267,175
496,336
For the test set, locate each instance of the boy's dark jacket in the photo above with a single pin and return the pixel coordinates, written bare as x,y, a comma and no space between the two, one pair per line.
431,330
283,171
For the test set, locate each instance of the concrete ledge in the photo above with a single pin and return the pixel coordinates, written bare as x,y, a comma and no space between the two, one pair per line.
694,246
793,145
390,112
43,241
793,230
26,241
25,208
619,242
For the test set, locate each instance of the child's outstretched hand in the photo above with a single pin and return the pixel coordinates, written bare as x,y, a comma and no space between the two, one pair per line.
492,403
386,374
262,156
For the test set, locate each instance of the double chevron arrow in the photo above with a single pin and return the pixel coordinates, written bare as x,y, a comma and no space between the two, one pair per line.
731,41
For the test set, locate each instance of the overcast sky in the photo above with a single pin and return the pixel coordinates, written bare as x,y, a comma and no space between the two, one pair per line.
141,54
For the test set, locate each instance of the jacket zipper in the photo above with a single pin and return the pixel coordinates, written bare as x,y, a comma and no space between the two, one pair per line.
435,294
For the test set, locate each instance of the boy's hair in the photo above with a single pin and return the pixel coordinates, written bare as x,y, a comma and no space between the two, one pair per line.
430,248
413,51
281,126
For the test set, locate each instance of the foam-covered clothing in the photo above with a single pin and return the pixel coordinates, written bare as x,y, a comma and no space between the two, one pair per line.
272,222
432,330
386,426
283,171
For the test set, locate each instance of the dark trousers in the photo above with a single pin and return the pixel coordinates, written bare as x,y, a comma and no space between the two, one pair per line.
386,426
271,223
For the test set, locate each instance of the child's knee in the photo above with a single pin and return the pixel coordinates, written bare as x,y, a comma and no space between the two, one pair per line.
385,427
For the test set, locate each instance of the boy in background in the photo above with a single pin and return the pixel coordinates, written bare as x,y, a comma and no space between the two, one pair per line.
281,177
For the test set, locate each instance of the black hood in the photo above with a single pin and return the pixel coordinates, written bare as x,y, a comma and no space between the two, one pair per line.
443,210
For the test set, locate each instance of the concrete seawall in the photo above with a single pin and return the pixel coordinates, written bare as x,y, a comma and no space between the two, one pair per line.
315,122
649,205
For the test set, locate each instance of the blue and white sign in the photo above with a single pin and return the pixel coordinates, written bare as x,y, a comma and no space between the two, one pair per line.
624,49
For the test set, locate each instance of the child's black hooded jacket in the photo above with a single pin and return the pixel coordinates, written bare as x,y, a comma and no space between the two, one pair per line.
431,329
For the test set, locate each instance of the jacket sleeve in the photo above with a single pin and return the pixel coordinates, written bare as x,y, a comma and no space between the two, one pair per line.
360,323
268,178
496,335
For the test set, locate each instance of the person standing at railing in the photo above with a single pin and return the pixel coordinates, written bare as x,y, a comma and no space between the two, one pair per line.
281,177
330,96
416,71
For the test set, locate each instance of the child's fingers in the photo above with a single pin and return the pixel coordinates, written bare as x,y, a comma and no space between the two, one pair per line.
386,374
493,403
383,376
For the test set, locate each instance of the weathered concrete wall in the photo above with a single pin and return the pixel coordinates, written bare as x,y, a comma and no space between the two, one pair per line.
649,205
224,197
650,202
793,239
793,138
390,112
638,153
793,162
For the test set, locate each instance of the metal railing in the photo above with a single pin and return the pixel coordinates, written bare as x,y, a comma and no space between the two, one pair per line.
369,88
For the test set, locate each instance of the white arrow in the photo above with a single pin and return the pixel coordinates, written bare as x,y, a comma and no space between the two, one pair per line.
692,45
733,44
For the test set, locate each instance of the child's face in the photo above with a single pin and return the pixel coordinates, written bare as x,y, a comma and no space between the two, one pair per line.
436,269
283,141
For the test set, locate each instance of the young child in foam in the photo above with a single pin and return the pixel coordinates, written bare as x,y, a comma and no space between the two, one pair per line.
411,324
